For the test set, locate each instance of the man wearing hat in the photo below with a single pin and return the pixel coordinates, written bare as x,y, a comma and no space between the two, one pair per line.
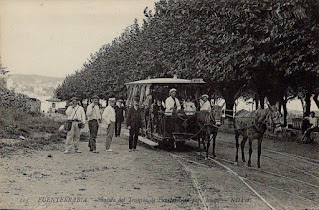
313,121
205,106
172,103
134,123
119,116
108,119
76,116
94,116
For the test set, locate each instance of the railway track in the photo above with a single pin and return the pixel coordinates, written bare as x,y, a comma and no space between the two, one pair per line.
282,161
195,182
290,166
272,174
247,181
281,176
228,170
309,161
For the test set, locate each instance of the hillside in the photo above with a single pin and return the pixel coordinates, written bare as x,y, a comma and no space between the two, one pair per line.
34,85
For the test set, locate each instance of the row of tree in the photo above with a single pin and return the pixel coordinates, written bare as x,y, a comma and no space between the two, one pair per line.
253,48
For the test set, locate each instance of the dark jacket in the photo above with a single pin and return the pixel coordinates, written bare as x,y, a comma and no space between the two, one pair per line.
119,114
157,109
134,118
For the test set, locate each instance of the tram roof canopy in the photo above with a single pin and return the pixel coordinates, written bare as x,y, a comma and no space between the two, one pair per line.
166,81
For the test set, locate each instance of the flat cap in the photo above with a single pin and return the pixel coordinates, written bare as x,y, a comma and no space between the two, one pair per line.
95,97
74,99
172,90
111,99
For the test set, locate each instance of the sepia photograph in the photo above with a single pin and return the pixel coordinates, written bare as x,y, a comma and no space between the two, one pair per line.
159,104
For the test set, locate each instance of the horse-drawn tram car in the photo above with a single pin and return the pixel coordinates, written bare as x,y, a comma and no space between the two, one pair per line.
162,125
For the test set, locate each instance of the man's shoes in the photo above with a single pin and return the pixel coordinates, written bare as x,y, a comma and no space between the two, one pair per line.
109,150
95,151
135,149
78,151
66,152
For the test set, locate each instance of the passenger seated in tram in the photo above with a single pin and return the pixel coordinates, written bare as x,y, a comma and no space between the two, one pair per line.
146,110
156,109
189,106
172,103
205,105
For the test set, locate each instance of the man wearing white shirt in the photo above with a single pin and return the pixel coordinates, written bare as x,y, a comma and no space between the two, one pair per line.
205,106
313,121
76,116
94,116
189,107
172,103
108,119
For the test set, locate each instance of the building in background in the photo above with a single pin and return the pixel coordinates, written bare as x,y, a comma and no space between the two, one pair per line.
52,105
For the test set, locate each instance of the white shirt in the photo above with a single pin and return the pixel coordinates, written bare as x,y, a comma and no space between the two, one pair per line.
313,121
93,112
108,115
189,108
76,113
169,105
206,106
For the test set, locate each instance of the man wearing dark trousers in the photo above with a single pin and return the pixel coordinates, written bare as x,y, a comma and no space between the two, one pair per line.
119,116
134,123
94,116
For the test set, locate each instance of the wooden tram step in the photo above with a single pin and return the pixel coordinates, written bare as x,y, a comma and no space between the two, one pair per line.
125,132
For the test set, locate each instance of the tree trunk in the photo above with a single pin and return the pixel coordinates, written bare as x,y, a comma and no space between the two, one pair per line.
229,107
262,101
284,107
308,102
315,98
257,101
303,106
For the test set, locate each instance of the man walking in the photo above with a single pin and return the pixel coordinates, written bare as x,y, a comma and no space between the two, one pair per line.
119,116
94,116
76,117
134,123
108,119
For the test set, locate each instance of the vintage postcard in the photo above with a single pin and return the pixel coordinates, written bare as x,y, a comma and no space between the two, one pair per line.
159,104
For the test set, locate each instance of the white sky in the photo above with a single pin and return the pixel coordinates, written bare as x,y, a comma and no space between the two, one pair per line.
55,37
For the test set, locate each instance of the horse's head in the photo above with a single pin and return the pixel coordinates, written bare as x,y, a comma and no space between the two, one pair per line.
273,119
217,114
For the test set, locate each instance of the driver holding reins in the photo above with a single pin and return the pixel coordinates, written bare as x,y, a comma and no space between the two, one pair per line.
172,103
205,106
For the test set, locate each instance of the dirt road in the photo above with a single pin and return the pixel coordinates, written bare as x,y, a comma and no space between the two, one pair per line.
158,179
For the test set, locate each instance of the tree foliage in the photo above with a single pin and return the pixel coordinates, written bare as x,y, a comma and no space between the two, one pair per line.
268,47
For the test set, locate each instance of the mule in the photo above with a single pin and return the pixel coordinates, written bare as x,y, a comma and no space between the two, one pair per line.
252,125
209,123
